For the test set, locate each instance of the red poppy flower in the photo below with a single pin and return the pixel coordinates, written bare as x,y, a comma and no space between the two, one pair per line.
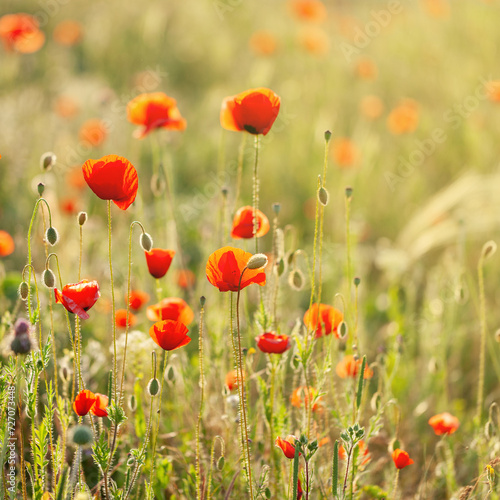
231,379
171,308
304,395
137,299
349,367
401,458
159,261
287,445
121,318
326,322
254,110
152,111
112,177
308,10
364,452
6,244
270,342
185,278
224,268
99,409
243,223
93,132
169,334
444,423
78,297
20,32
83,402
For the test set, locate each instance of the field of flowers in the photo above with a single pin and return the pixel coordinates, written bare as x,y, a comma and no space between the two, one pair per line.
247,249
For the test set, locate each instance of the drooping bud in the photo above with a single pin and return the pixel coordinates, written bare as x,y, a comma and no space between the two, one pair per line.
65,374
280,267
220,463
296,280
51,236
47,160
82,218
323,196
146,242
489,249
82,435
132,403
41,188
328,136
49,279
342,329
24,290
153,387
257,261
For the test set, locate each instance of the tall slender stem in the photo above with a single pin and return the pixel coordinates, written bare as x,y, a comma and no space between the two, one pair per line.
256,193
239,174
113,322
199,491
482,349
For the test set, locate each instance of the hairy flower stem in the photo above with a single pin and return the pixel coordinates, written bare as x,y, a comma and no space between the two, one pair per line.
349,455
273,455
256,193
113,322
239,175
395,485
241,383
199,491
482,349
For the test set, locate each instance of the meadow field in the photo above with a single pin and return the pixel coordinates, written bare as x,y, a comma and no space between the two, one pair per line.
248,249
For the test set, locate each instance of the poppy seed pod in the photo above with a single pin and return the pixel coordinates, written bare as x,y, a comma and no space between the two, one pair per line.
82,435
323,196
47,160
153,387
24,290
146,242
49,279
328,136
41,188
257,261
82,218
51,236
357,281
348,192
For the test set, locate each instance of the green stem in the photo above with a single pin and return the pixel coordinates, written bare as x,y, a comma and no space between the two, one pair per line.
113,322
199,491
256,193
239,174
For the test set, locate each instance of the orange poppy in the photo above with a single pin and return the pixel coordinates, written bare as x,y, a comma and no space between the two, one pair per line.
93,132
304,395
231,379
75,178
349,367
403,119
254,110
308,10
287,445
152,111
401,459
263,43
371,106
270,342
20,32
137,299
170,334
78,297
314,40
493,90
170,308
363,451
121,318
68,33
366,69
159,261
444,423
66,107
437,8
83,402
344,152
99,408
224,268
6,244
243,223
112,177
324,320
185,278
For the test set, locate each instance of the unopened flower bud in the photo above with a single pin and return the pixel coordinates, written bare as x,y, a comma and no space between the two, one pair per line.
220,463
296,280
357,281
276,208
21,326
153,387
41,188
328,136
21,344
280,267
224,191
65,374
49,279
257,261
24,290
47,160
323,196
342,329
146,242
51,236
132,403
82,435
489,248
348,192
202,301
82,218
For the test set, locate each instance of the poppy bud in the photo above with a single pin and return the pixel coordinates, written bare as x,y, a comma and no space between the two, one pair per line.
328,136
296,280
51,235
489,430
49,279
348,192
280,268
357,281
375,402
41,188
153,387
21,344
342,330
220,463
323,196
65,374
132,403
276,208
257,261
47,160
146,242
489,248
202,301
224,191
82,435
82,218
24,290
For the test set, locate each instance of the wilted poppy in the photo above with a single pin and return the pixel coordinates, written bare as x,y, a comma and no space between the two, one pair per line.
83,402
6,244
287,445
364,452
121,318
159,261
444,423
401,458
349,367
231,379
152,111
112,177
254,110
403,119
263,43
171,308
325,322
304,395
185,278
224,268
67,32
270,342
243,223
20,32
137,299
99,408
344,152
371,106
169,334
93,132
308,10
78,297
